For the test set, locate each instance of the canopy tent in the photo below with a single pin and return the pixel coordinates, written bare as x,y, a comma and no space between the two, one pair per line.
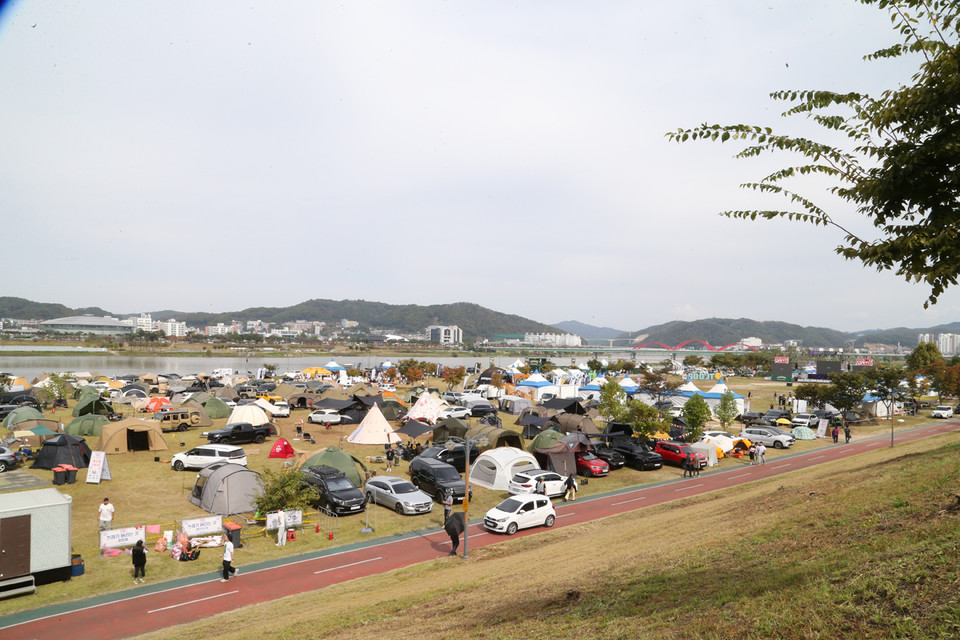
315,372
374,429
628,385
63,449
333,367
131,434
21,414
534,380
414,429
493,469
595,385
248,413
88,425
282,449
225,489
333,457
216,408
688,386
427,408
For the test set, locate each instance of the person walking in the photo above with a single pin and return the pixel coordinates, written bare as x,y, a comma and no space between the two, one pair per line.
139,561
836,435
540,487
753,454
454,526
846,435
694,466
761,453
227,557
106,514
281,529
447,504
389,459
570,484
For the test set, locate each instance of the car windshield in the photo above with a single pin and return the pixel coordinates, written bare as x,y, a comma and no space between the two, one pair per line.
510,505
447,474
339,484
404,487
586,455
432,452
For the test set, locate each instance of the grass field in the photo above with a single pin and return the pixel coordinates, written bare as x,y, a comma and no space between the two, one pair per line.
149,492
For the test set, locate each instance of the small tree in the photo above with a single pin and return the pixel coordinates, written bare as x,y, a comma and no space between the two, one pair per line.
454,376
270,368
657,383
282,490
390,374
924,355
727,409
594,365
613,402
696,412
845,392
497,380
643,419
58,386
693,360
812,393
415,374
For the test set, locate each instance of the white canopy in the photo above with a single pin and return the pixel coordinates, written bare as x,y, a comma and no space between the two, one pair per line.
426,408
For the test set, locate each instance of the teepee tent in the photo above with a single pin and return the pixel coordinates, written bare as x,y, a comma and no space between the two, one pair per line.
373,429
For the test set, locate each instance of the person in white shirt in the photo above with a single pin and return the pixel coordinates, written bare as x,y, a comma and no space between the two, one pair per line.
761,452
106,514
227,559
282,529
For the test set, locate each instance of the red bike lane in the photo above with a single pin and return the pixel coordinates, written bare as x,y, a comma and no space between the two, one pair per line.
158,606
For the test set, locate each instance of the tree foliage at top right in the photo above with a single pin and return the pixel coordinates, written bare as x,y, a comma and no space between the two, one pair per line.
901,165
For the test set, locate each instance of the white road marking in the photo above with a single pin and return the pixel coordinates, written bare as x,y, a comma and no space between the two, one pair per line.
872,444
689,486
174,606
742,475
352,564
781,466
817,457
566,515
482,533
631,500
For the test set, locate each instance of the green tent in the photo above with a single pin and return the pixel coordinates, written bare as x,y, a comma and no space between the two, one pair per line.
21,414
392,410
88,425
545,439
92,404
217,408
333,457
450,427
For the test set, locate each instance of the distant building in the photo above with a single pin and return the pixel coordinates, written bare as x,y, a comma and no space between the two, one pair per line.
349,324
553,339
219,329
756,343
105,326
445,334
173,329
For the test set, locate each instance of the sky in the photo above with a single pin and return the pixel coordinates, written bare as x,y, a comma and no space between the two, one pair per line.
214,156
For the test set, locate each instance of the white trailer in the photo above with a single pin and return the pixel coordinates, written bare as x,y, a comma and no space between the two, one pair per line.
34,540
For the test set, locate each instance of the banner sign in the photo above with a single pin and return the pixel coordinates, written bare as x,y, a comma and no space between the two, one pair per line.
781,359
204,526
99,468
293,518
822,428
122,537
864,362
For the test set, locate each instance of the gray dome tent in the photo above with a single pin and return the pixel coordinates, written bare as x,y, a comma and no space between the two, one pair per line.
225,489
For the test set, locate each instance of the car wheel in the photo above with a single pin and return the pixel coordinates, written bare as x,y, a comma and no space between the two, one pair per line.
182,427
398,508
512,528
3,466
178,465
439,497
310,420
259,439
549,521
588,472
778,445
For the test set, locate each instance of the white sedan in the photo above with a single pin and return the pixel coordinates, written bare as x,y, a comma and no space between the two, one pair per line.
520,512
325,416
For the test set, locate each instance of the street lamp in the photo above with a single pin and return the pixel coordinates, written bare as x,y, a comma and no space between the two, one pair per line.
468,443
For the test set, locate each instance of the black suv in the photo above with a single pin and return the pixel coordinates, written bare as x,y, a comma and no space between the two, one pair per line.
613,458
334,491
636,453
434,478
772,415
455,456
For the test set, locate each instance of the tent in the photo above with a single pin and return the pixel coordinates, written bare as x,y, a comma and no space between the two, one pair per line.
315,372
804,433
486,376
493,469
532,426
198,414
216,408
333,457
88,425
333,367
374,429
225,488
496,437
302,399
282,449
709,450
266,406
155,404
92,403
557,456
514,404
227,392
450,427
63,449
248,413
21,414
131,434
570,422
414,429
546,439
427,408
392,410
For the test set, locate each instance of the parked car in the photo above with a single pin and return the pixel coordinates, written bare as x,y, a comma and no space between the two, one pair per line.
751,417
397,494
590,465
769,436
637,454
942,411
177,419
8,459
325,416
520,512
387,386
771,416
480,408
333,490
241,433
526,482
454,456
831,416
805,420
452,397
281,409
676,452
199,457
611,456
435,477
454,412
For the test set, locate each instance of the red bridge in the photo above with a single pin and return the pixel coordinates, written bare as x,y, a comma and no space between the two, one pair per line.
680,346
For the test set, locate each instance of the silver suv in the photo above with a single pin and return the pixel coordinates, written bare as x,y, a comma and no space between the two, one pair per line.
769,436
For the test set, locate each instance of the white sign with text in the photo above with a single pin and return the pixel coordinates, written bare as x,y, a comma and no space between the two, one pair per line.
204,526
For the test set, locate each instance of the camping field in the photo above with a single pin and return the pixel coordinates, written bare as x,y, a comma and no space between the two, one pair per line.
145,491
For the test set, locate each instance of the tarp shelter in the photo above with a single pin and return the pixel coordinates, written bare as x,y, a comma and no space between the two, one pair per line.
493,469
514,405
282,449
63,449
92,404
495,436
131,434
333,457
532,426
88,425
414,429
224,488
266,406
450,427
248,413
427,408
155,404
565,405
315,372
21,414
216,408
374,429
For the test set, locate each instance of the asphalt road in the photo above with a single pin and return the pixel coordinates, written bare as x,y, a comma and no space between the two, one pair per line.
153,607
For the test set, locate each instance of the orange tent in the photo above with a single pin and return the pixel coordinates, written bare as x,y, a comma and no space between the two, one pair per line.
155,404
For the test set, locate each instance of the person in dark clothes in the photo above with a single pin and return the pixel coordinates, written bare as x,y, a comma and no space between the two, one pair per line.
836,435
139,562
846,435
454,526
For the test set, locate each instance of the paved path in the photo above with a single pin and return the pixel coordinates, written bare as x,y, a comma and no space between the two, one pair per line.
153,607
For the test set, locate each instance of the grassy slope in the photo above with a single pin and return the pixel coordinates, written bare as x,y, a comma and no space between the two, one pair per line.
859,549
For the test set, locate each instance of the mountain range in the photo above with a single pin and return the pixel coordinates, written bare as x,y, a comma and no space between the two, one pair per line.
479,322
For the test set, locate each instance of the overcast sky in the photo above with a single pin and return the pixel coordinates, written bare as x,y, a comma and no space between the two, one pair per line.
213,156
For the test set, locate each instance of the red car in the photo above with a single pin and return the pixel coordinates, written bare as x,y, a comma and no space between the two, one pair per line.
590,465
675,452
